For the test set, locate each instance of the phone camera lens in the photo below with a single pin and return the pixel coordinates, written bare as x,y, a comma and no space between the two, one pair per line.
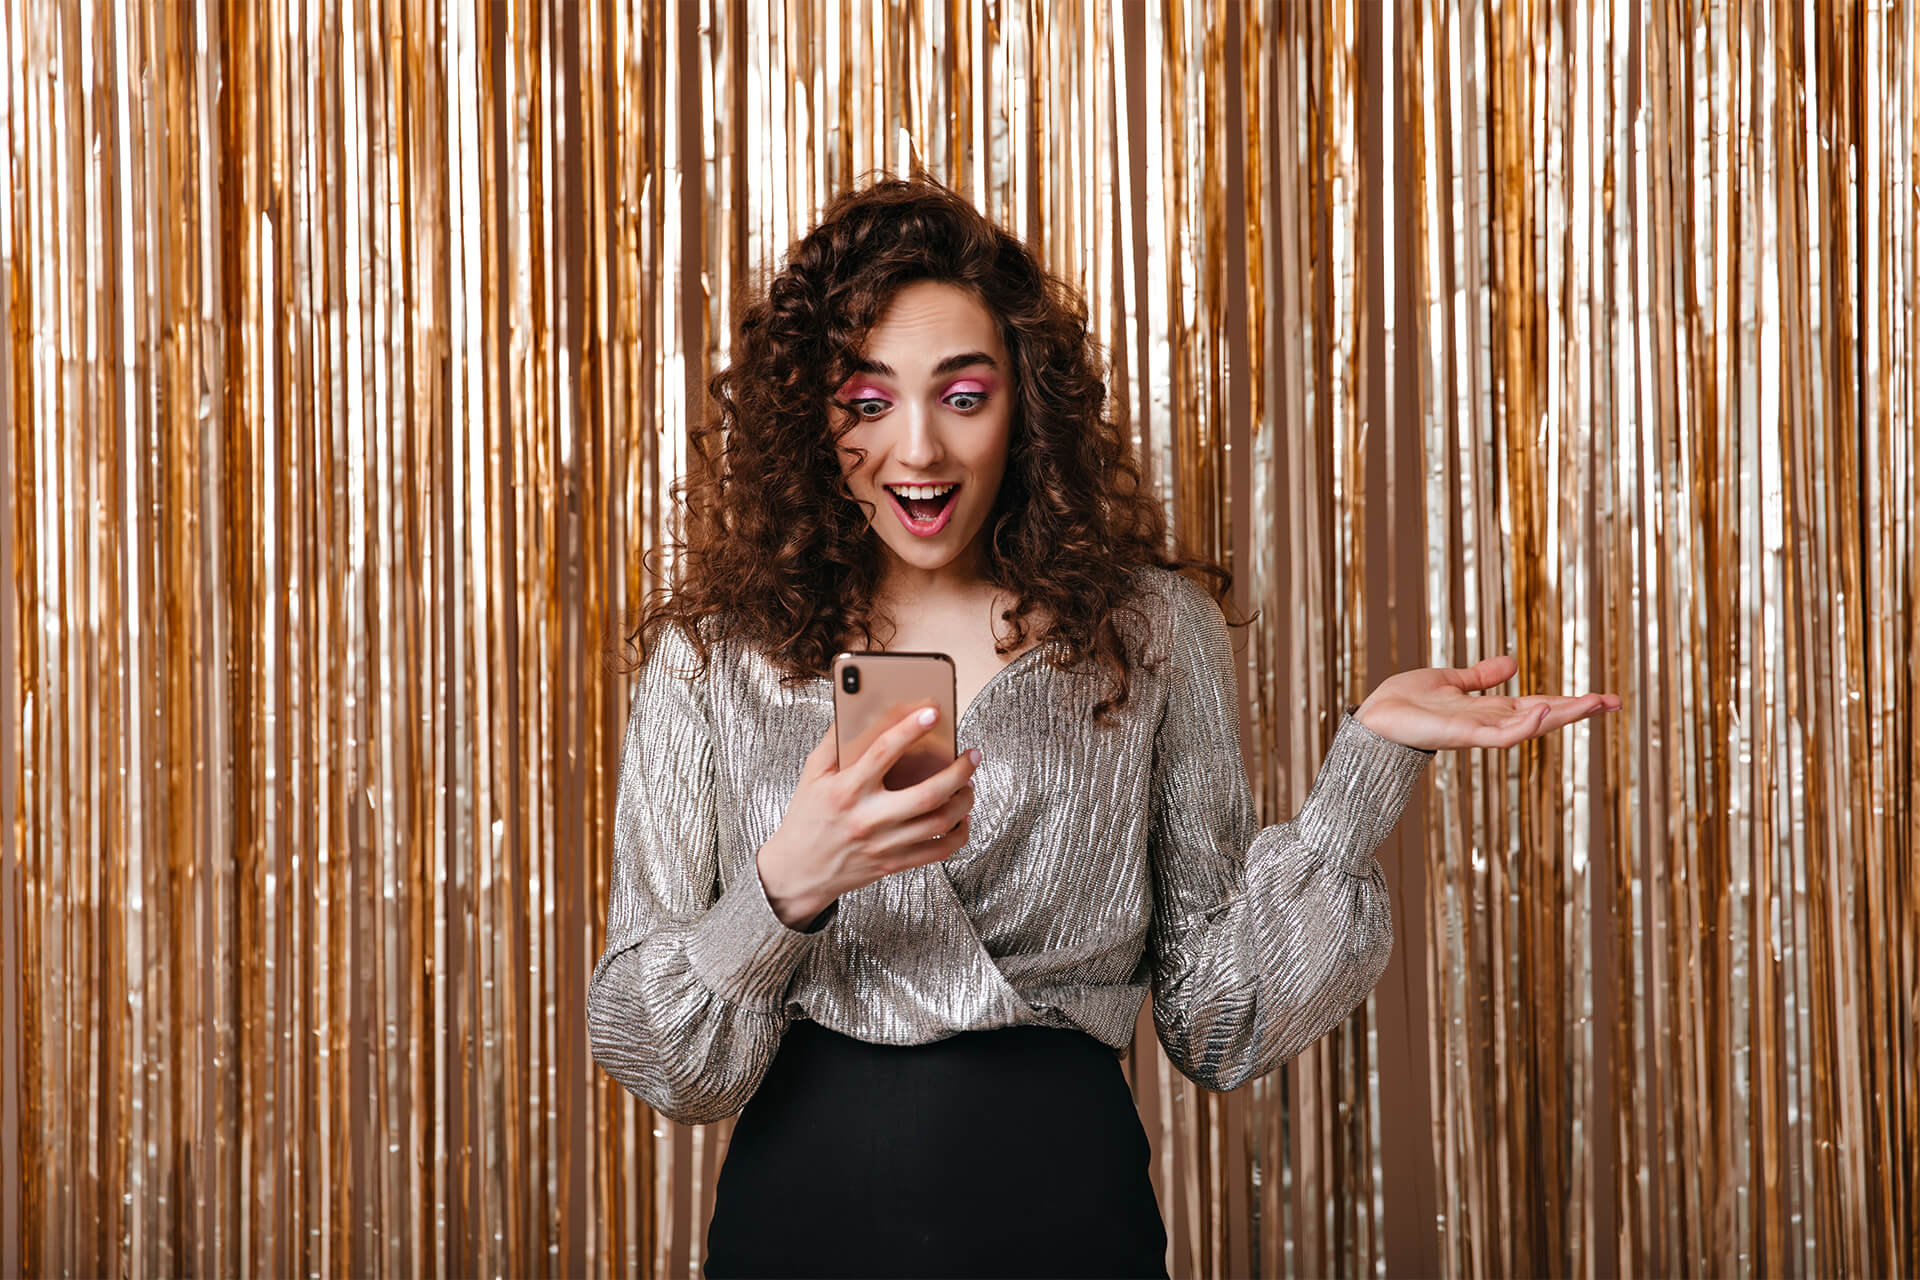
850,679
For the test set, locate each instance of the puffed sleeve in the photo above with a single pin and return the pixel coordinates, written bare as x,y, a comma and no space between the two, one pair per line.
1262,938
685,1006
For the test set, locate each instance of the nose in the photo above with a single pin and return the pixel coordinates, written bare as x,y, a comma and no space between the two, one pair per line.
921,447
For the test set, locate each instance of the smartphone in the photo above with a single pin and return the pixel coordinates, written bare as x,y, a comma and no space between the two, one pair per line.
872,692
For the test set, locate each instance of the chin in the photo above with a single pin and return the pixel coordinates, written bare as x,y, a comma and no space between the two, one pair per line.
928,557
923,557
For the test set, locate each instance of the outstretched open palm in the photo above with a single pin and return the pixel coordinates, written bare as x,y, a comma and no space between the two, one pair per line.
1435,708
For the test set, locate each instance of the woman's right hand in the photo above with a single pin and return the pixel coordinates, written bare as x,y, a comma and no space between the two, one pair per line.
844,829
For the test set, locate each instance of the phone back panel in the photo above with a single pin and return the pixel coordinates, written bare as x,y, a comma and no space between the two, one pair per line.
891,685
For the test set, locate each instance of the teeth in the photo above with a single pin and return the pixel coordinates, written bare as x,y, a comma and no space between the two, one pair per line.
921,490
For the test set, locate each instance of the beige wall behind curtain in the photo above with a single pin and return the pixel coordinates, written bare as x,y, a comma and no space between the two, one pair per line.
349,353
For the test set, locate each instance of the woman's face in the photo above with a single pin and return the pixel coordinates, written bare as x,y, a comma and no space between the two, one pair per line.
933,403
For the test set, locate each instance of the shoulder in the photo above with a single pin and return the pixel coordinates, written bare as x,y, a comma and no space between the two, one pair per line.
672,652
734,675
673,665
1175,590
1173,610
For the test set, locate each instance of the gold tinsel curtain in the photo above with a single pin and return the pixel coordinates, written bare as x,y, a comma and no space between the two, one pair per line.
349,352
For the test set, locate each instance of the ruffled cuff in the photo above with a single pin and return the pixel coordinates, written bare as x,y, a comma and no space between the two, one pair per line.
743,952
1363,785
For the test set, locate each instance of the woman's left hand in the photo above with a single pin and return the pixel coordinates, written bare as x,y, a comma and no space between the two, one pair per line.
1435,708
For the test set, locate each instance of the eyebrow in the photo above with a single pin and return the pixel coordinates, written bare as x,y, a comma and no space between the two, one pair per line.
965,360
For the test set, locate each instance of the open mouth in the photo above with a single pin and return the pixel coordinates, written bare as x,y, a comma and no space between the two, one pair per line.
923,509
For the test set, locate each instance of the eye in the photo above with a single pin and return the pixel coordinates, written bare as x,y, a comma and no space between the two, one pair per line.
868,407
967,401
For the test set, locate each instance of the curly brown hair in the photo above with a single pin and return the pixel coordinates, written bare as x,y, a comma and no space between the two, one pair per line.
776,552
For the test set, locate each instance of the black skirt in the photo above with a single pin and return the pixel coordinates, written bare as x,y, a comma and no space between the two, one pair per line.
1012,1152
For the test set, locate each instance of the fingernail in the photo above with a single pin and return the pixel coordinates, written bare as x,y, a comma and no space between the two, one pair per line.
973,754
929,716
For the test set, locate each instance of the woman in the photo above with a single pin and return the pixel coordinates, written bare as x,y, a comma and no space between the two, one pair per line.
918,996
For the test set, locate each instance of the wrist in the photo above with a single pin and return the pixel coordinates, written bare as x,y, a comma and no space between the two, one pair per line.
793,905
1367,716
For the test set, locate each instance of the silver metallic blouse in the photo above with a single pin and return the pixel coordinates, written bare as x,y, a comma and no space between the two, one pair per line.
1103,862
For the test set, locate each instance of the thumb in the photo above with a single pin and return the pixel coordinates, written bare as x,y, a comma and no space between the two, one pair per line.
825,757
1489,672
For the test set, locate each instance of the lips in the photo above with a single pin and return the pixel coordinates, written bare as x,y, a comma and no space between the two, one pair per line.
924,528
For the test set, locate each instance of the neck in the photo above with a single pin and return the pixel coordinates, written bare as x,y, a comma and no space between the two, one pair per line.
961,582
